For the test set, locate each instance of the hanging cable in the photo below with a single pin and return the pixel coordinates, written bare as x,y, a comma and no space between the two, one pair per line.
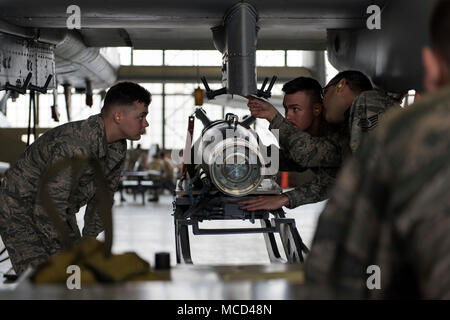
33,97
29,122
32,108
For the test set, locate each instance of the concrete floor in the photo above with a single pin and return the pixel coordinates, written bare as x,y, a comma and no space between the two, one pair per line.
149,229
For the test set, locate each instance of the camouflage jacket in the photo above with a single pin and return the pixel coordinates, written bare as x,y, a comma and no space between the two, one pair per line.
323,154
326,150
330,149
83,139
390,208
312,191
365,113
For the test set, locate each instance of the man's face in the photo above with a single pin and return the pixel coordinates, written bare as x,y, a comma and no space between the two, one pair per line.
298,109
333,104
133,121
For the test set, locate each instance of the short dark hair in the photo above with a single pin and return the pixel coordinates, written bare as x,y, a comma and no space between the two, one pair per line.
440,29
357,81
126,93
310,85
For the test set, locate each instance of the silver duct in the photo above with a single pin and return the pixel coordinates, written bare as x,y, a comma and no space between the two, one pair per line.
76,63
236,40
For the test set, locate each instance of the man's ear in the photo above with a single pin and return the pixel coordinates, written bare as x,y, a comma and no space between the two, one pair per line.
432,73
340,86
117,116
317,109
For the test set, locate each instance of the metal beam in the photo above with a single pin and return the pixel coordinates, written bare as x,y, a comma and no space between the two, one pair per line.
190,73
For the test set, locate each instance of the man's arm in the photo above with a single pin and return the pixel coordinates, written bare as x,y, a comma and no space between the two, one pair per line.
93,222
311,192
264,203
305,150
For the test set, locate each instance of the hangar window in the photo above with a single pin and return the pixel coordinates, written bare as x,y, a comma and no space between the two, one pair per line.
147,57
272,58
125,55
153,133
330,70
192,58
154,88
180,88
209,58
17,111
294,58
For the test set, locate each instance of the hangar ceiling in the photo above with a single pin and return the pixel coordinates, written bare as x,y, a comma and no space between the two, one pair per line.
180,24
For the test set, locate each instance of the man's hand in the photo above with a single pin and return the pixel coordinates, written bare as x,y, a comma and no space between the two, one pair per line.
261,109
265,203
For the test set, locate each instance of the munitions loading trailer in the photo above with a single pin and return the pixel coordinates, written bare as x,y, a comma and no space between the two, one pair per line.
210,189
225,208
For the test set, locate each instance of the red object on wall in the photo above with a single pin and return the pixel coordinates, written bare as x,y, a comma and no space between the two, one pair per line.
284,180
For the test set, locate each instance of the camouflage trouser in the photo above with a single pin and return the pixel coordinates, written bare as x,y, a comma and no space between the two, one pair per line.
28,235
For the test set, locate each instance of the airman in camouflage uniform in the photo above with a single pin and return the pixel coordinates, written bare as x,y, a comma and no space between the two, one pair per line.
352,109
324,151
25,226
351,105
303,110
390,207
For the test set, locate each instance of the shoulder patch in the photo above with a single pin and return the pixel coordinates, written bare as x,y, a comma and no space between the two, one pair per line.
369,123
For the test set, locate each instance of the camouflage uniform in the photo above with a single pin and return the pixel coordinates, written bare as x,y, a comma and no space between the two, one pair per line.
365,112
390,208
327,150
312,191
325,153
25,227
